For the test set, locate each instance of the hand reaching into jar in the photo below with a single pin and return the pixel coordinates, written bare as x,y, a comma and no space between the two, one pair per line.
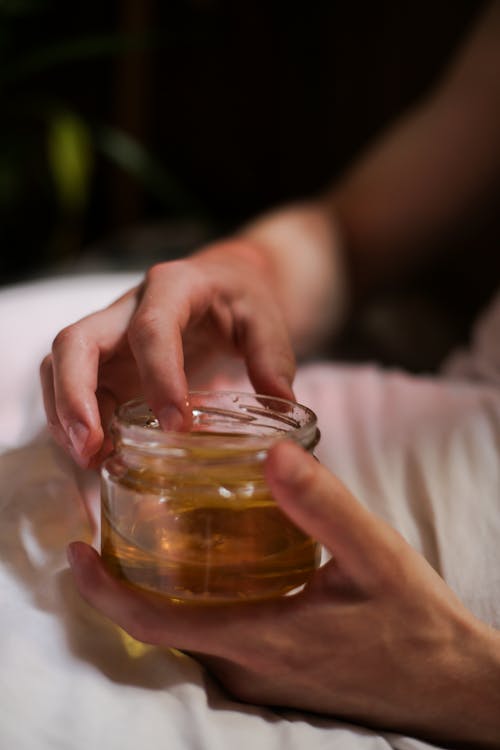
238,297
376,636
158,334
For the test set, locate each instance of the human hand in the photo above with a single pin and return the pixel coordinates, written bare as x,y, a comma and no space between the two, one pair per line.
376,636
156,336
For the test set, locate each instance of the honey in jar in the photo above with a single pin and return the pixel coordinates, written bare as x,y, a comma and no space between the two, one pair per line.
189,515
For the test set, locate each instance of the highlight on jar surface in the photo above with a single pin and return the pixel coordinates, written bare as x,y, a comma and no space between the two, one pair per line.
188,515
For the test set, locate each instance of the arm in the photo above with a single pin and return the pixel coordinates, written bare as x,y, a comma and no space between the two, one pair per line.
426,177
288,276
415,185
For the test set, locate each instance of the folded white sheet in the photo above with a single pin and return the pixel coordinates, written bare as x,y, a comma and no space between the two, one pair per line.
422,453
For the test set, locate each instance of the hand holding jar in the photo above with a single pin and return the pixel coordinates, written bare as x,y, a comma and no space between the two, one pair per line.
375,637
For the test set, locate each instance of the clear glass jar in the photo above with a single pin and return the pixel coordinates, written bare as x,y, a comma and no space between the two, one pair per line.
188,515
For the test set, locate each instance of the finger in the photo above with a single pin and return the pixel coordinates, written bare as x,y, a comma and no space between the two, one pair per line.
147,618
156,620
247,312
322,506
181,294
172,297
49,402
107,404
76,355
263,339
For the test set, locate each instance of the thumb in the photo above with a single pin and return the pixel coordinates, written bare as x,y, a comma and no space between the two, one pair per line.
318,502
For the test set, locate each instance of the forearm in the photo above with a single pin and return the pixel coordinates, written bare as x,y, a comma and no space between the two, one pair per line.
429,175
400,202
302,246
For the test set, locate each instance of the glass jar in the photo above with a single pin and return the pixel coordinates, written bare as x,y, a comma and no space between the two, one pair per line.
189,515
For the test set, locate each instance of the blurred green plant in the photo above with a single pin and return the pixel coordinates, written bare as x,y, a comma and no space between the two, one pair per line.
48,150
70,158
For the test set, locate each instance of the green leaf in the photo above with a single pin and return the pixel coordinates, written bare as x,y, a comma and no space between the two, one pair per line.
70,157
134,158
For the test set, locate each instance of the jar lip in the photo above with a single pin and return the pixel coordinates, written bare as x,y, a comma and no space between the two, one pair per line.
234,409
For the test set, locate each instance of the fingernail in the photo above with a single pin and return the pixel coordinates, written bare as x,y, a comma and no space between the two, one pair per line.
171,419
78,433
71,553
285,383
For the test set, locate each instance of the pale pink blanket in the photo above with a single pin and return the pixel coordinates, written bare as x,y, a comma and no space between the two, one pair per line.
421,452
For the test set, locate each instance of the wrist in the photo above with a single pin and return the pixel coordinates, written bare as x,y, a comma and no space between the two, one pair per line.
481,686
251,253
466,707
302,244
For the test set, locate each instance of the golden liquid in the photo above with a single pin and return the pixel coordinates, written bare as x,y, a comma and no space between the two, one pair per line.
230,542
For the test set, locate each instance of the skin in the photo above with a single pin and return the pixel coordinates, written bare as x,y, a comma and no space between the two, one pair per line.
287,279
156,335
376,637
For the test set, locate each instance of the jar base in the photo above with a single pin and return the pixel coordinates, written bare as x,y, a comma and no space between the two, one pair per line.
233,563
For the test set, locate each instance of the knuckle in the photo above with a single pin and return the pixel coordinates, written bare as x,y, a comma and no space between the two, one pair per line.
66,337
157,271
145,325
176,273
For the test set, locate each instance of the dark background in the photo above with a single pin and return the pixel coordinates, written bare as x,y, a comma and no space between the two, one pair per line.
189,116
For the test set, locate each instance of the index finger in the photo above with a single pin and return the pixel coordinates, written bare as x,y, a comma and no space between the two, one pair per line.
76,355
170,300
214,629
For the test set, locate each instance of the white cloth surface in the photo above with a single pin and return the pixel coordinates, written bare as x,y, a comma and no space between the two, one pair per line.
480,361
422,453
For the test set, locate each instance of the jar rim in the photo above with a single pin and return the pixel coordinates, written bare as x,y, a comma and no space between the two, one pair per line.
278,418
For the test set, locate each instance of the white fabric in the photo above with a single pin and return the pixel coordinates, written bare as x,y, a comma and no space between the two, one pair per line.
481,360
422,453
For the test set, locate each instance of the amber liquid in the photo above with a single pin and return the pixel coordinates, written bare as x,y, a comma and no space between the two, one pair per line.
213,548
